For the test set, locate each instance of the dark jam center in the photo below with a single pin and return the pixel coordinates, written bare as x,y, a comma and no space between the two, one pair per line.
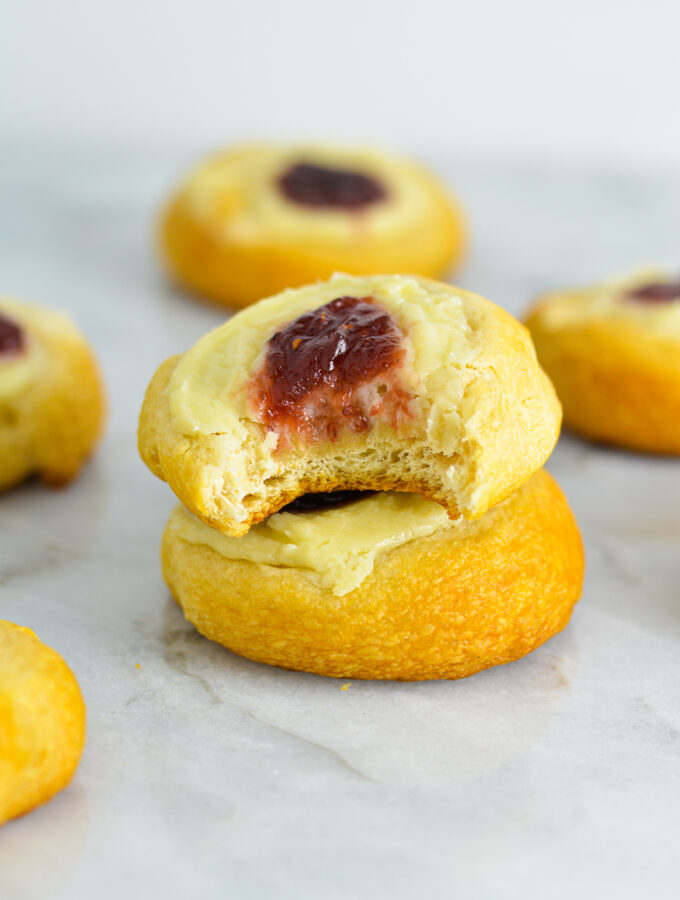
331,500
315,366
11,337
319,186
656,293
340,344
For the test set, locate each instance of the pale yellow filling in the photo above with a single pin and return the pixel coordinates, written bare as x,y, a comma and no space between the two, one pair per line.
607,302
334,548
208,392
236,196
17,373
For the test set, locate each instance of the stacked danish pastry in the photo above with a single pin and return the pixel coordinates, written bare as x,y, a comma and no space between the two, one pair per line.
359,468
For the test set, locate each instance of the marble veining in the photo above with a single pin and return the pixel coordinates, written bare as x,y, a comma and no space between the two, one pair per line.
206,775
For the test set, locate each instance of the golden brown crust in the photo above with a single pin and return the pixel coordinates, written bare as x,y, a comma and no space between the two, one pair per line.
51,427
444,606
617,383
42,722
236,271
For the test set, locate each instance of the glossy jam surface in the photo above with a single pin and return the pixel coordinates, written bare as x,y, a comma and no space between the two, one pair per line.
11,337
656,293
319,186
330,369
329,500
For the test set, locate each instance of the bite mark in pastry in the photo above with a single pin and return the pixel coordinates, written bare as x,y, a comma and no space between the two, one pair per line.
387,383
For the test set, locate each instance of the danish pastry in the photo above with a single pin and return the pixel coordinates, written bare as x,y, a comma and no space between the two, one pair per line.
613,353
51,395
385,586
251,221
392,383
42,722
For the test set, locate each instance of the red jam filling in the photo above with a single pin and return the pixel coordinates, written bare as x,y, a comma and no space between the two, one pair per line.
332,369
319,186
329,500
11,337
656,293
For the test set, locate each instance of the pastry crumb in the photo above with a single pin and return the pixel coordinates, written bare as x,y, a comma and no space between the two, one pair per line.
345,686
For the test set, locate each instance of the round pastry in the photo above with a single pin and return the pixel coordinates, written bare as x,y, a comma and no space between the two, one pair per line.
384,586
613,353
51,396
42,722
384,382
251,221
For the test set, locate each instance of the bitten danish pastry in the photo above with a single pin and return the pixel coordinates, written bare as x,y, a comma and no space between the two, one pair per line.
390,383
51,395
251,221
42,722
386,586
613,353
359,463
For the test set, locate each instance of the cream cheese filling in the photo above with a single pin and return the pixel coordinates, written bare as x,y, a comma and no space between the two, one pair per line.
236,196
208,389
335,548
42,326
19,371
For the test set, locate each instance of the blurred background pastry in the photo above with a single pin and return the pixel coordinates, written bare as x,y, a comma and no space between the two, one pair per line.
52,402
42,721
253,220
612,351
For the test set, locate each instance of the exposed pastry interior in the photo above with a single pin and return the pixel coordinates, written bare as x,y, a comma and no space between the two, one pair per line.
384,382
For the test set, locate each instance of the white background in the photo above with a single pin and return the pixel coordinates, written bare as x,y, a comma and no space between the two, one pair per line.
588,79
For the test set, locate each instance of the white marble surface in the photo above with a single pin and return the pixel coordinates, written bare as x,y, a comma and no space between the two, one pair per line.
206,775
